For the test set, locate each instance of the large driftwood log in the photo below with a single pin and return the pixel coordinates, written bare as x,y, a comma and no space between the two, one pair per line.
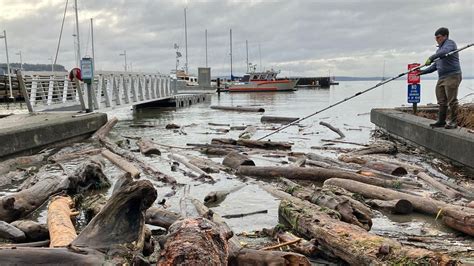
121,222
380,146
19,162
34,231
383,167
207,165
10,232
238,108
161,217
445,190
459,219
266,145
87,176
121,163
349,212
245,256
420,204
234,160
278,119
313,173
59,157
105,129
51,256
337,130
61,229
352,243
195,241
147,147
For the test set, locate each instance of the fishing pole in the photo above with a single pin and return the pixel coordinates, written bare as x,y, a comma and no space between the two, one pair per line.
364,91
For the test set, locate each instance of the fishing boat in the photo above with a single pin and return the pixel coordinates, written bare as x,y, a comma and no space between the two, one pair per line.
262,81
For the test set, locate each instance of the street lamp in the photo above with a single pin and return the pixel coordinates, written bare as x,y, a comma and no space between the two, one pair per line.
21,60
124,54
4,36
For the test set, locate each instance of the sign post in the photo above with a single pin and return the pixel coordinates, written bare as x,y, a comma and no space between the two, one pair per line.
414,87
87,71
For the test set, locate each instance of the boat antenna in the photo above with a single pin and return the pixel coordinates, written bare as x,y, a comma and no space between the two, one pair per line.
364,91
231,75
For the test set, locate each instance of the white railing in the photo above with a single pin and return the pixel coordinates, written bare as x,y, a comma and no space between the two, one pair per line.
46,90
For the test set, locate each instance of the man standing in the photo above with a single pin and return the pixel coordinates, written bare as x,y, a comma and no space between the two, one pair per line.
449,73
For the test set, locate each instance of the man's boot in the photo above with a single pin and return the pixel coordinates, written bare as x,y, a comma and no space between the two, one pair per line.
454,116
441,117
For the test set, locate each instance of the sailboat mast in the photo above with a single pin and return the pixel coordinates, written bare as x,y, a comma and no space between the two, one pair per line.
247,48
77,36
260,55
231,75
206,46
92,40
186,39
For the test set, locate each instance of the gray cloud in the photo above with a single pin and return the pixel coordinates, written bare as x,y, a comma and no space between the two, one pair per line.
297,37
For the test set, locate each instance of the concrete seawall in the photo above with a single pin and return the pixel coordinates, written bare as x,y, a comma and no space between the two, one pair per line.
455,144
26,132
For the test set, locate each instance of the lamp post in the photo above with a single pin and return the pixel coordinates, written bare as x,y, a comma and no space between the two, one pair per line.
124,54
4,36
21,60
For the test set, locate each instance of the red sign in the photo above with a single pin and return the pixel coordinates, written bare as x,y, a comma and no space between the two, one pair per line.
413,77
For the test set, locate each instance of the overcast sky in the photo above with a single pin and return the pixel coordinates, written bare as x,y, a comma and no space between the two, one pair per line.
304,38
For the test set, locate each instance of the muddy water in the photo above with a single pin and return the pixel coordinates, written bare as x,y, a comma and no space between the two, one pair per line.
352,118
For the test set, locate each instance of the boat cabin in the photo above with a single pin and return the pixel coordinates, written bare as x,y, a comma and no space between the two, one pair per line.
259,76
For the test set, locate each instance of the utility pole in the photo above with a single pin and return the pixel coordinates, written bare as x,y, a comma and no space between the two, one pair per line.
21,60
231,75
77,35
206,45
247,49
124,54
92,39
186,39
8,62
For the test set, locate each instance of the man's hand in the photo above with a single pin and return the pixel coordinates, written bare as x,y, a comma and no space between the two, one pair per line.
428,62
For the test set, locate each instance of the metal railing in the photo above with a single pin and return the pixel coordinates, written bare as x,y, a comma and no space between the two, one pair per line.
47,90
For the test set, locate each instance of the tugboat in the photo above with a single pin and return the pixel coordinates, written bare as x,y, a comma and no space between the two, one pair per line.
262,81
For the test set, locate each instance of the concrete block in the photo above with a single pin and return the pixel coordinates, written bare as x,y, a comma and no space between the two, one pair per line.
23,132
455,144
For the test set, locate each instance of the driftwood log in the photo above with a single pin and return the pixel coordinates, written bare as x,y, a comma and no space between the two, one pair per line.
20,162
216,197
307,248
191,166
337,130
61,229
278,119
10,232
266,145
194,241
313,174
445,190
121,163
352,243
245,256
248,132
105,129
121,222
161,217
87,176
238,108
384,167
34,231
459,219
147,167
147,147
51,256
349,212
379,146
420,204
400,206
234,160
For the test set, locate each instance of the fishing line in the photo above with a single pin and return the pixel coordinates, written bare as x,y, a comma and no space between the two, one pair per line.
364,91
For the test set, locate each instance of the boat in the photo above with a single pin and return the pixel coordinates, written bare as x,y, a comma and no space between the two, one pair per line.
262,81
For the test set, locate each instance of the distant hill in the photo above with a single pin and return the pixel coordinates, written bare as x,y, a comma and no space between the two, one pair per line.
32,67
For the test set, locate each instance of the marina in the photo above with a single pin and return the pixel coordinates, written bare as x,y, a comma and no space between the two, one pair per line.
183,138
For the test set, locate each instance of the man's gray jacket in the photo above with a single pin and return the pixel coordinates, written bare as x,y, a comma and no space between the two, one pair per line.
447,66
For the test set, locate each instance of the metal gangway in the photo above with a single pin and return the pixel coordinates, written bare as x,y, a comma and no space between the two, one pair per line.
50,91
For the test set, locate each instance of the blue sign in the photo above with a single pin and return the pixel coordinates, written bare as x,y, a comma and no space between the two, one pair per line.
87,69
414,93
